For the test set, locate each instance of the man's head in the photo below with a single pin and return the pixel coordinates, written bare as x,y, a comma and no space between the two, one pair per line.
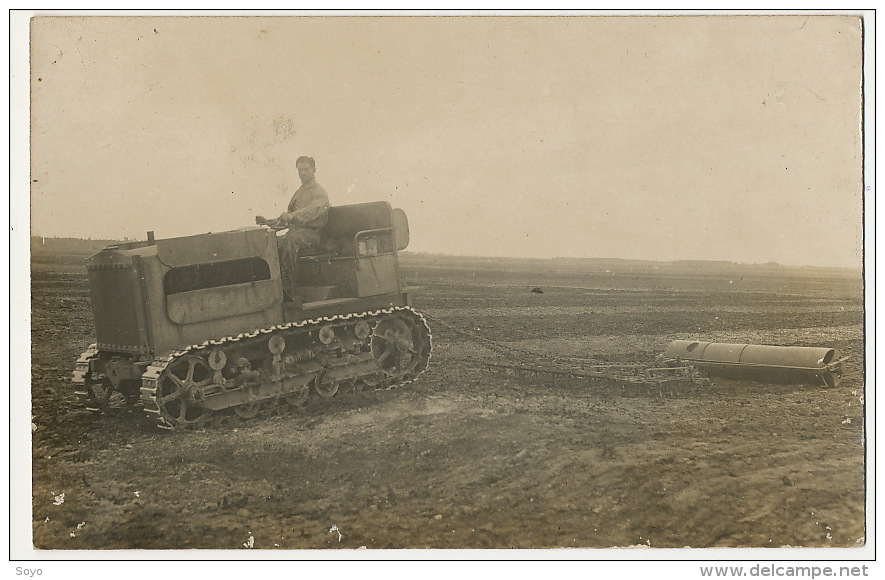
306,168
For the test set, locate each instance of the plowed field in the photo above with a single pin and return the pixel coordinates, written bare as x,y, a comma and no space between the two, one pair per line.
473,457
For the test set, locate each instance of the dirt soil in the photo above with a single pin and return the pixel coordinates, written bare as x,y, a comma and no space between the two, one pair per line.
473,457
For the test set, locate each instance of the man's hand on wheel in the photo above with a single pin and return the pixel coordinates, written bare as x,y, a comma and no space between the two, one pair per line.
275,223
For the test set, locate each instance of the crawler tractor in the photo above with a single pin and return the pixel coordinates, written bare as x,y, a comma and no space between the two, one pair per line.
197,330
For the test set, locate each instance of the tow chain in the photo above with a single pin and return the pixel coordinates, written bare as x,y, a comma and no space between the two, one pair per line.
572,367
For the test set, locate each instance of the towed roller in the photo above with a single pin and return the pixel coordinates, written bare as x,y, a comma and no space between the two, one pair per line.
759,362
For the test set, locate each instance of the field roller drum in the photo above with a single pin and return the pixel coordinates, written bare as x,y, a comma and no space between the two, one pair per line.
759,362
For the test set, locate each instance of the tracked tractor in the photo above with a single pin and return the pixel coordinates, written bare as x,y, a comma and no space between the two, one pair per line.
196,330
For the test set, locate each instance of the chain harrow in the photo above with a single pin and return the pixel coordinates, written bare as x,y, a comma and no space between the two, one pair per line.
531,363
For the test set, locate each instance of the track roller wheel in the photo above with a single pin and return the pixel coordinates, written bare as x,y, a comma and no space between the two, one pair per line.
401,347
373,381
326,388
177,390
99,395
298,393
96,395
247,410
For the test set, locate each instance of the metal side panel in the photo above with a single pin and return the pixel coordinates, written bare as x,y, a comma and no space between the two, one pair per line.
168,335
222,302
297,312
115,305
215,247
347,220
359,277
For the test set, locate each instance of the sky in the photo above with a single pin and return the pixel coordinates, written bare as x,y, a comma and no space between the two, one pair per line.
660,138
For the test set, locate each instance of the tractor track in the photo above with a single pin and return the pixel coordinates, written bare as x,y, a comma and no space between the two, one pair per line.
196,357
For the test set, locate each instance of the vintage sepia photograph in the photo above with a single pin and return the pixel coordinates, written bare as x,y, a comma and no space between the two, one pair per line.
446,285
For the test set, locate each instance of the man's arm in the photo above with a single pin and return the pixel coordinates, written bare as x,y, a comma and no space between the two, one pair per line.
317,206
263,221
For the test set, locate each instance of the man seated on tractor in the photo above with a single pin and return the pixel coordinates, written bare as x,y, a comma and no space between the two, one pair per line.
305,217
